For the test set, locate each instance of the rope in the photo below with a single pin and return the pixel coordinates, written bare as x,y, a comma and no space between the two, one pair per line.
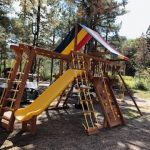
89,102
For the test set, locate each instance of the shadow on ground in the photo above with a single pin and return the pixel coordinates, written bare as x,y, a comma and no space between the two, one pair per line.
62,130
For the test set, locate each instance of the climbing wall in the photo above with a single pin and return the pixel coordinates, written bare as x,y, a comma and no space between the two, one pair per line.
112,114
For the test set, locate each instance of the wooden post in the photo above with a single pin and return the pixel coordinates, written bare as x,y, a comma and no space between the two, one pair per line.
13,75
61,68
76,37
31,55
52,63
32,128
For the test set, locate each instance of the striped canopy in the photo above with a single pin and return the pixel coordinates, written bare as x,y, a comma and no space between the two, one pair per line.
83,36
68,44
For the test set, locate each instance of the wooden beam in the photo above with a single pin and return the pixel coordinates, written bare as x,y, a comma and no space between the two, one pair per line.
116,59
50,54
46,52
97,53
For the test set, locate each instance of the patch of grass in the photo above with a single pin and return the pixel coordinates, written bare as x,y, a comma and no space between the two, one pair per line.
142,94
137,83
140,86
129,81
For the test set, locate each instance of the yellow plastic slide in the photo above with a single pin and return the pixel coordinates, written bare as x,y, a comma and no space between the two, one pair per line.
47,97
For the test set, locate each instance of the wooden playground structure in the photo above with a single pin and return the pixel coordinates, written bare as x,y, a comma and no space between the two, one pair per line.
83,70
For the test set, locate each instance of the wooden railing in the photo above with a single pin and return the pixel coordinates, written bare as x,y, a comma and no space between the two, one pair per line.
97,67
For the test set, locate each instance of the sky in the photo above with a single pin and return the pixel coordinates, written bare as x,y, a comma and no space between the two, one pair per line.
137,20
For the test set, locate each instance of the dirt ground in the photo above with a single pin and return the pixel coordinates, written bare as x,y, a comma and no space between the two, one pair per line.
62,130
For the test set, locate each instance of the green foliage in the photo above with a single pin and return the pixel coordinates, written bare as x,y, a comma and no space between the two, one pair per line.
45,75
140,86
138,52
45,69
129,81
137,83
44,23
101,16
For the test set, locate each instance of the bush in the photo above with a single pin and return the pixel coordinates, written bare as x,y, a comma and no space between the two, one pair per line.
45,75
129,81
136,83
140,86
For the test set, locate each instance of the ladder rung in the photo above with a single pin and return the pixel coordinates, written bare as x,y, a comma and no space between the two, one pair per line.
9,71
88,112
16,81
17,72
84,101
10,99
83,89
82,79
63,98
20,73
13,90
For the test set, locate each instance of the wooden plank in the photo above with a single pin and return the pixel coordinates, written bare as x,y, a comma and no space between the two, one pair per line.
45,52
50,54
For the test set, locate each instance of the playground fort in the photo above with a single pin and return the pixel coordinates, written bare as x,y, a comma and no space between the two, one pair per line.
86,69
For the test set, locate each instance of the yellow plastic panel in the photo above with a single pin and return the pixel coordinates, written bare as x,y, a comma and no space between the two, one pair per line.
48,96
70,47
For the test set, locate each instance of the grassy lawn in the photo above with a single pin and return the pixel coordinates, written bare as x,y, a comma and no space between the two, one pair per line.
140,87
142,94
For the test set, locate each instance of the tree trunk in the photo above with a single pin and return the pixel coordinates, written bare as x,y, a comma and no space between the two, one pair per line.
36,35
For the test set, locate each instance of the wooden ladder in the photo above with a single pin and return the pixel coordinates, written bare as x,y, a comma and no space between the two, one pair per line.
90,124
12,94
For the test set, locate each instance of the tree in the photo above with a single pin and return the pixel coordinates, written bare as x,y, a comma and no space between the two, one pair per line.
148,38
4,31
100,15
130,49
138,54
143,55
45,22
